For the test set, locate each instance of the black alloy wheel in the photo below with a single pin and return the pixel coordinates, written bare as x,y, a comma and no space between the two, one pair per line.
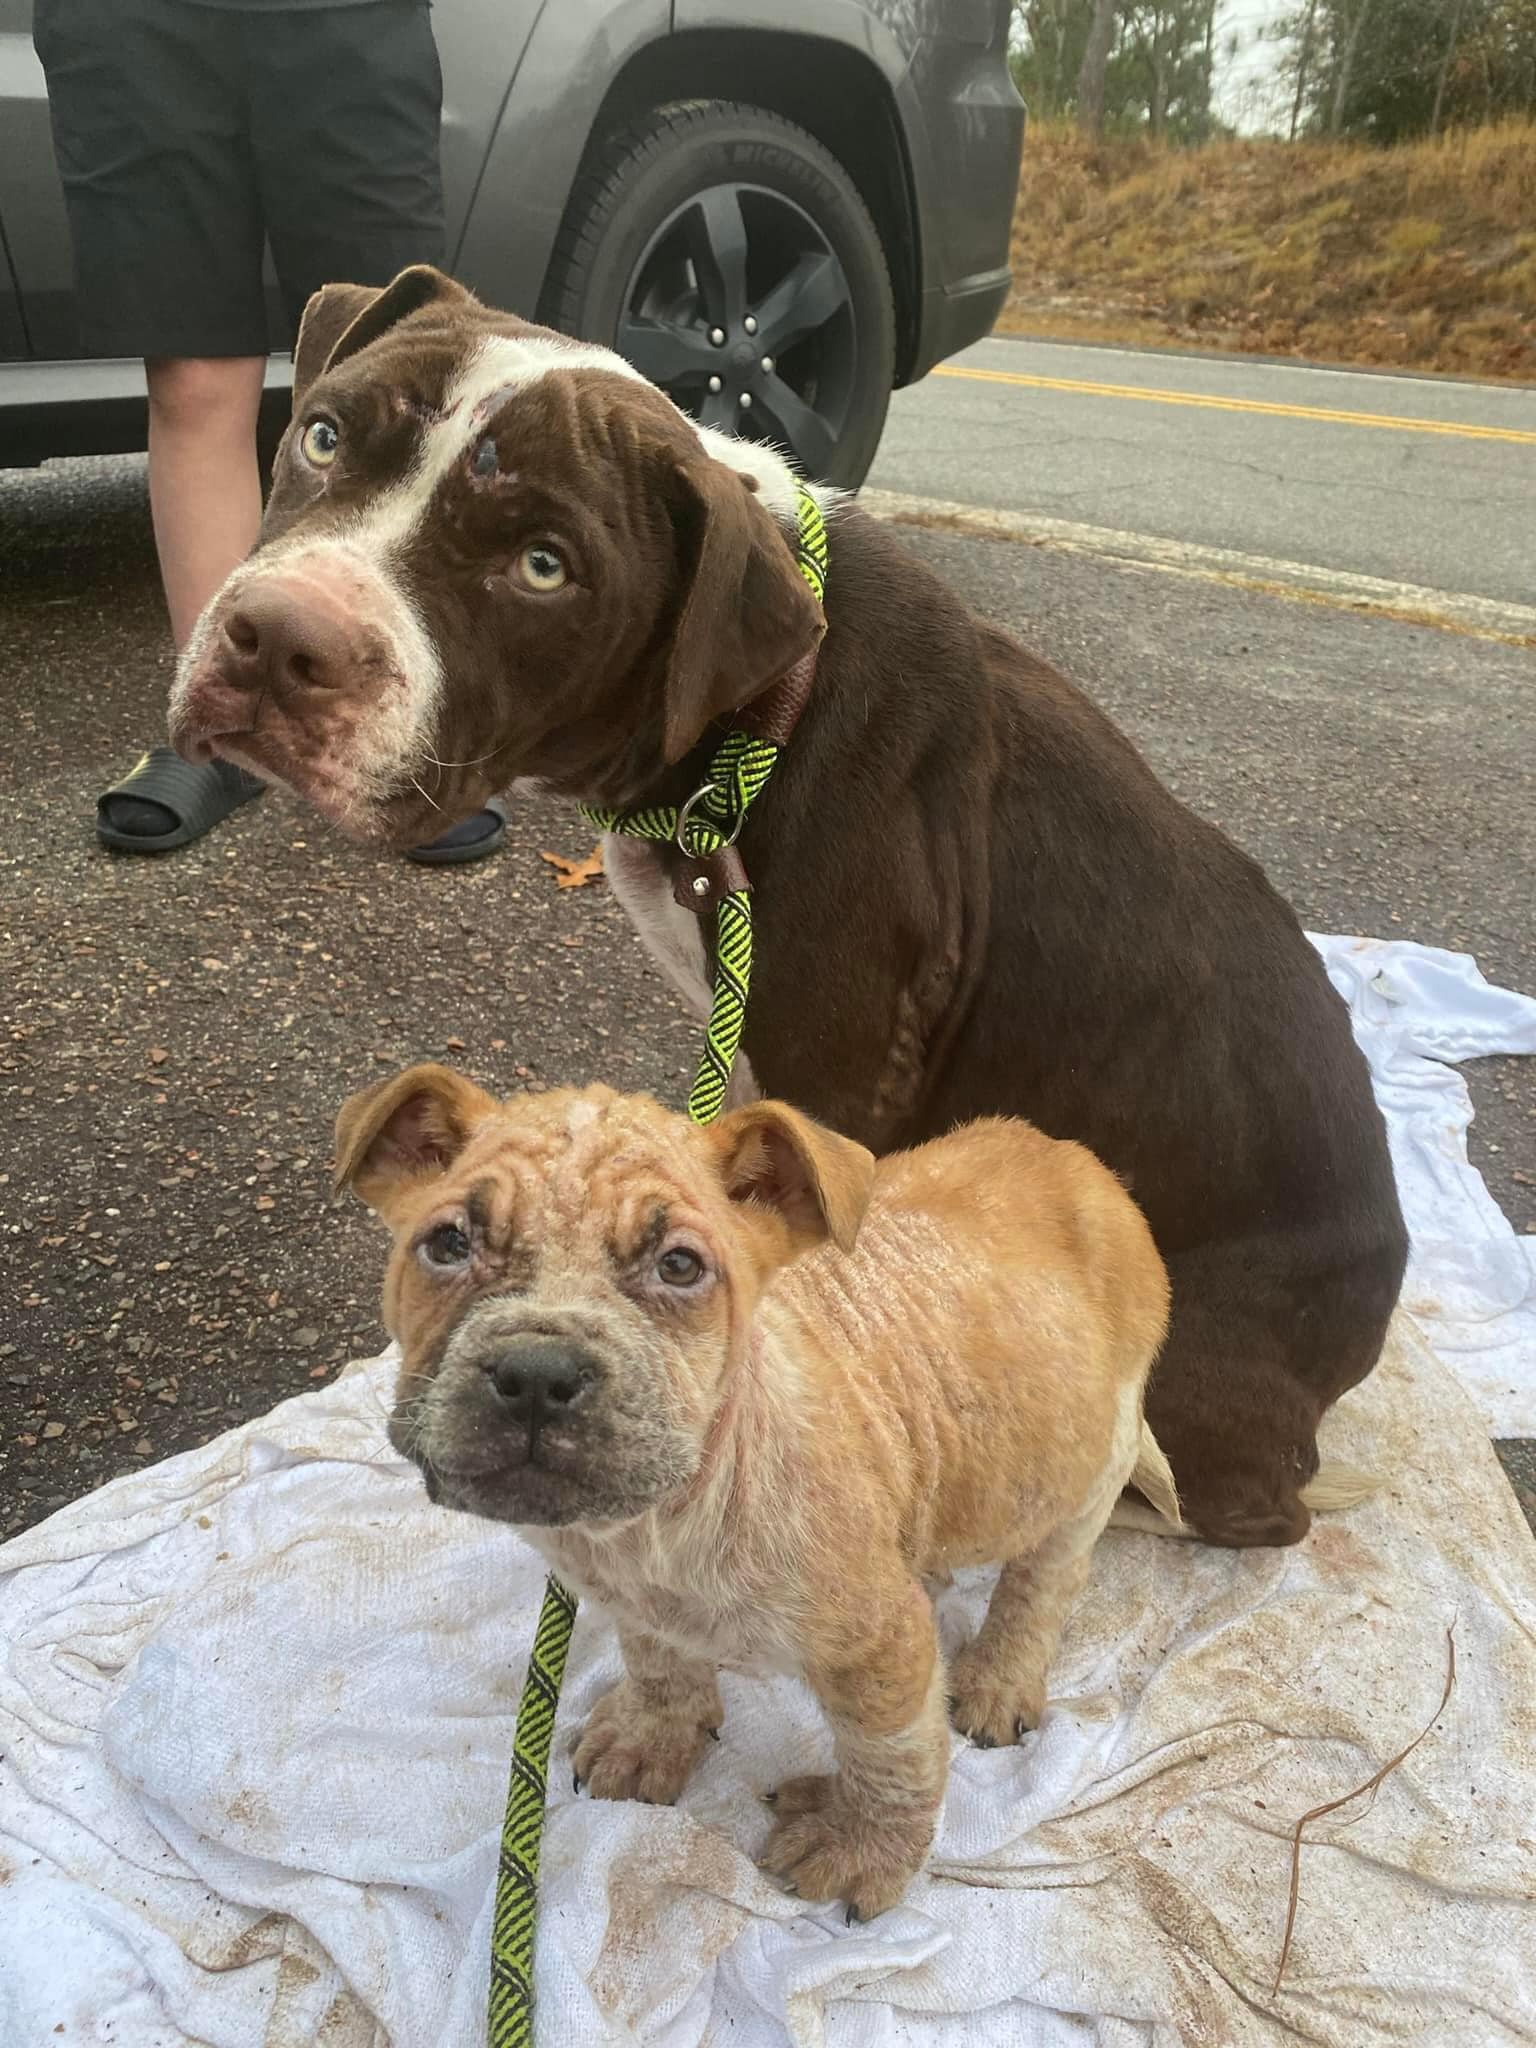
728,256
740,311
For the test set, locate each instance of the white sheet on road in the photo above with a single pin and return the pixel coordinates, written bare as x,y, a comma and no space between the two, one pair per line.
1471,1285
256,1706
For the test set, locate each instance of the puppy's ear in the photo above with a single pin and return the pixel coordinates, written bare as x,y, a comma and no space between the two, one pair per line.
412,1126
340,319
817,1182
746,614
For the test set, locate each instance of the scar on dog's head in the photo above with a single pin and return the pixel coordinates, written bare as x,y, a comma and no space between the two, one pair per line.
575,1275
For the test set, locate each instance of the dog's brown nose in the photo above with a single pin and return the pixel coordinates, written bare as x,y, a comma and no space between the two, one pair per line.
541,1379
272,641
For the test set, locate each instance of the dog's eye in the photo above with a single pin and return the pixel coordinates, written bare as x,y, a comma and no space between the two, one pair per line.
680,1267
320,442
541,567
445,1247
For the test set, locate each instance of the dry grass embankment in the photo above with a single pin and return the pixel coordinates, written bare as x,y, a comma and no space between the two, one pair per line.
1422,256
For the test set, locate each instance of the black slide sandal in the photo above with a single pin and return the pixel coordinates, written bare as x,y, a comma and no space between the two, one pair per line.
471,840
197,798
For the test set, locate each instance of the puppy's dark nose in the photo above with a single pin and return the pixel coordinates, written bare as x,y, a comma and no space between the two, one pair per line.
541,1379
273,642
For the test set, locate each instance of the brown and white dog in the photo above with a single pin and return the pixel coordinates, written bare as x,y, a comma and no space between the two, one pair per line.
752,1463
492,554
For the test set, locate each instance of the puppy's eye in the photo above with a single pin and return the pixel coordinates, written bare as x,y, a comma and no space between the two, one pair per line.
446,1247
680,1267
319,442
541,567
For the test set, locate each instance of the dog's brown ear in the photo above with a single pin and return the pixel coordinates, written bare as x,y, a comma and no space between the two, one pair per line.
746,613
340,319
818,1182
413,1125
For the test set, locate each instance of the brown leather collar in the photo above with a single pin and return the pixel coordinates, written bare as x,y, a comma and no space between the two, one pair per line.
775,714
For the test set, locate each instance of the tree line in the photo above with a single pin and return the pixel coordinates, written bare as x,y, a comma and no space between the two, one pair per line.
1382,70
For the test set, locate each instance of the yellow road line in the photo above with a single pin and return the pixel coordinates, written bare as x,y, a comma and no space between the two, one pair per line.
1259,405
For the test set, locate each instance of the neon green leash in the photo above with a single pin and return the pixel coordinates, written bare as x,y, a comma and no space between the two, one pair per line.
705,830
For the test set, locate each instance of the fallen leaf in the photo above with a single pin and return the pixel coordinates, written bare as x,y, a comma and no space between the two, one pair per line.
575,874
453,1045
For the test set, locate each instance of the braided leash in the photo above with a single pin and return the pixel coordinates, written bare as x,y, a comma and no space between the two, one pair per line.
707,825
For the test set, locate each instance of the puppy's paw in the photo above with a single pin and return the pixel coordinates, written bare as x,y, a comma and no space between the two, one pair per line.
629,1750
834,1853
799,1795
990,1706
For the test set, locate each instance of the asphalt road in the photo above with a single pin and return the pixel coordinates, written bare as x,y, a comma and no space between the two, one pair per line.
1411,480
178,1033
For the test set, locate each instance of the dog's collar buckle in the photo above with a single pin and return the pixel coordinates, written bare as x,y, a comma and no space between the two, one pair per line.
702,879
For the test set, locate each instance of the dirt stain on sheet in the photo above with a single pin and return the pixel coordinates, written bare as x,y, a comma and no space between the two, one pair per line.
248,1809
257,1943
1338,1552
665,1900
1201,2004
343,2024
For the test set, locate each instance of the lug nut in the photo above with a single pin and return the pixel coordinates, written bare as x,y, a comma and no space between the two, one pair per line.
768,366
715,384
745,400
717,337
750,324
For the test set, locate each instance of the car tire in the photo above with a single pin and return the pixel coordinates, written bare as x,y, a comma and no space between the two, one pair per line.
729,255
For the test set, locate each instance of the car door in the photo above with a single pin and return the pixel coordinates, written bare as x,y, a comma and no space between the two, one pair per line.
36,281
480,42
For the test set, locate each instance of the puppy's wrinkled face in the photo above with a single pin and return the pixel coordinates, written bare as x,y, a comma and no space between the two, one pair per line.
565,1299
573,1279
490,554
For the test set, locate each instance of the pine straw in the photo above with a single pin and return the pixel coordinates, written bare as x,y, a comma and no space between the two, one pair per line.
1370,1785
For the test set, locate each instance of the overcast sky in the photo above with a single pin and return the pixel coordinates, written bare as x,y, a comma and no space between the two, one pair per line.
1248,92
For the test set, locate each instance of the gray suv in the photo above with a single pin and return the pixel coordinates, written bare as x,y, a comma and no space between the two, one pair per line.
778,212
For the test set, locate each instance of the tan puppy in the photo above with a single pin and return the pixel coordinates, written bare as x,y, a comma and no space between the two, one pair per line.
752,1463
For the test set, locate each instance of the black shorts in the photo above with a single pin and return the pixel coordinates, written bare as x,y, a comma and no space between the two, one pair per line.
190,136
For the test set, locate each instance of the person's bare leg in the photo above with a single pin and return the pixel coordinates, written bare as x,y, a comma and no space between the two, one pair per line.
204,484
205,499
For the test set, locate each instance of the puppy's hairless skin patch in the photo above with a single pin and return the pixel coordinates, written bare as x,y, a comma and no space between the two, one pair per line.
746,1390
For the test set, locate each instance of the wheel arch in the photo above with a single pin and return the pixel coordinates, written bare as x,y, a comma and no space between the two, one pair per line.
837,95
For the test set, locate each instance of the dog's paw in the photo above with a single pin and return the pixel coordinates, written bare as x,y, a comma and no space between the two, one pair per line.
829,1852
630,1751
992,1707
799,1795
